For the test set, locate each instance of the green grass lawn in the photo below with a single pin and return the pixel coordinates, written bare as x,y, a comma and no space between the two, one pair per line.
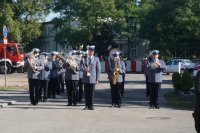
13,88
178,102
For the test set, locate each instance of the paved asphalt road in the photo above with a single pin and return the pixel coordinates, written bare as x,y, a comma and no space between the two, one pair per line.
55,117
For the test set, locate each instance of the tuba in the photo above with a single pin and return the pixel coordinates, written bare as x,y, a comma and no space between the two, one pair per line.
32,63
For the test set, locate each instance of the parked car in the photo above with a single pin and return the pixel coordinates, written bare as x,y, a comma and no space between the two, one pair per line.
196,61
196,69
42,55
173,65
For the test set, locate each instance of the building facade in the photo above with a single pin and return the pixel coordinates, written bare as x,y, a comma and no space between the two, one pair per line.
133,47
48,42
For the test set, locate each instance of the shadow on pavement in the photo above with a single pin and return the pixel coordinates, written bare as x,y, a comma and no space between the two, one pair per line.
133,98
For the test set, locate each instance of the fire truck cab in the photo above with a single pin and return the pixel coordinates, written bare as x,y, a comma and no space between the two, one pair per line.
14,57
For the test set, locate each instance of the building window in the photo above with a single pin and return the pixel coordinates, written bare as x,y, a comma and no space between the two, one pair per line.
49,31
134,52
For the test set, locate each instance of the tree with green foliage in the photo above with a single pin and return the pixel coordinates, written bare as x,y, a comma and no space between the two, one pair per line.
176,80
172,25
104,39
23,18
186,82
90,14
93,16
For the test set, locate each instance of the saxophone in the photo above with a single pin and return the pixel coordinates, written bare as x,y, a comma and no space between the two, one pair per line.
115,73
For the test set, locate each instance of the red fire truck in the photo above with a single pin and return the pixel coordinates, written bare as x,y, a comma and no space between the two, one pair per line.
14,57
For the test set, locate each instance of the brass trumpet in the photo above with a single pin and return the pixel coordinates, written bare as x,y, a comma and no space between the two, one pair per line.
154,66
60,58
32,63
72,65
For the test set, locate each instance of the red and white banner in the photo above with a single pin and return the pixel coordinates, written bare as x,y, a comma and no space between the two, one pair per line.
133,66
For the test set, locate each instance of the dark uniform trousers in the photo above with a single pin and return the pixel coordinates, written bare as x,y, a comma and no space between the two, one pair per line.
34,85
53,86
43,89
89,94
115,93
154,88
61,83
72,91
80,93
147,87
196,113
122,84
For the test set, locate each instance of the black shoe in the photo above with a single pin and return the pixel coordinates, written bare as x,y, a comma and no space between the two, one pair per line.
118,106
151,107
86,108
74,104
69,104
35,104
91,108
156,107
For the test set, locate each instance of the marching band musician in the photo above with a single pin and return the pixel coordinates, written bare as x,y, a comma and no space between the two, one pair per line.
53,77
71,78
115,71
91,68
155,68
34,66
80,91
44,77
